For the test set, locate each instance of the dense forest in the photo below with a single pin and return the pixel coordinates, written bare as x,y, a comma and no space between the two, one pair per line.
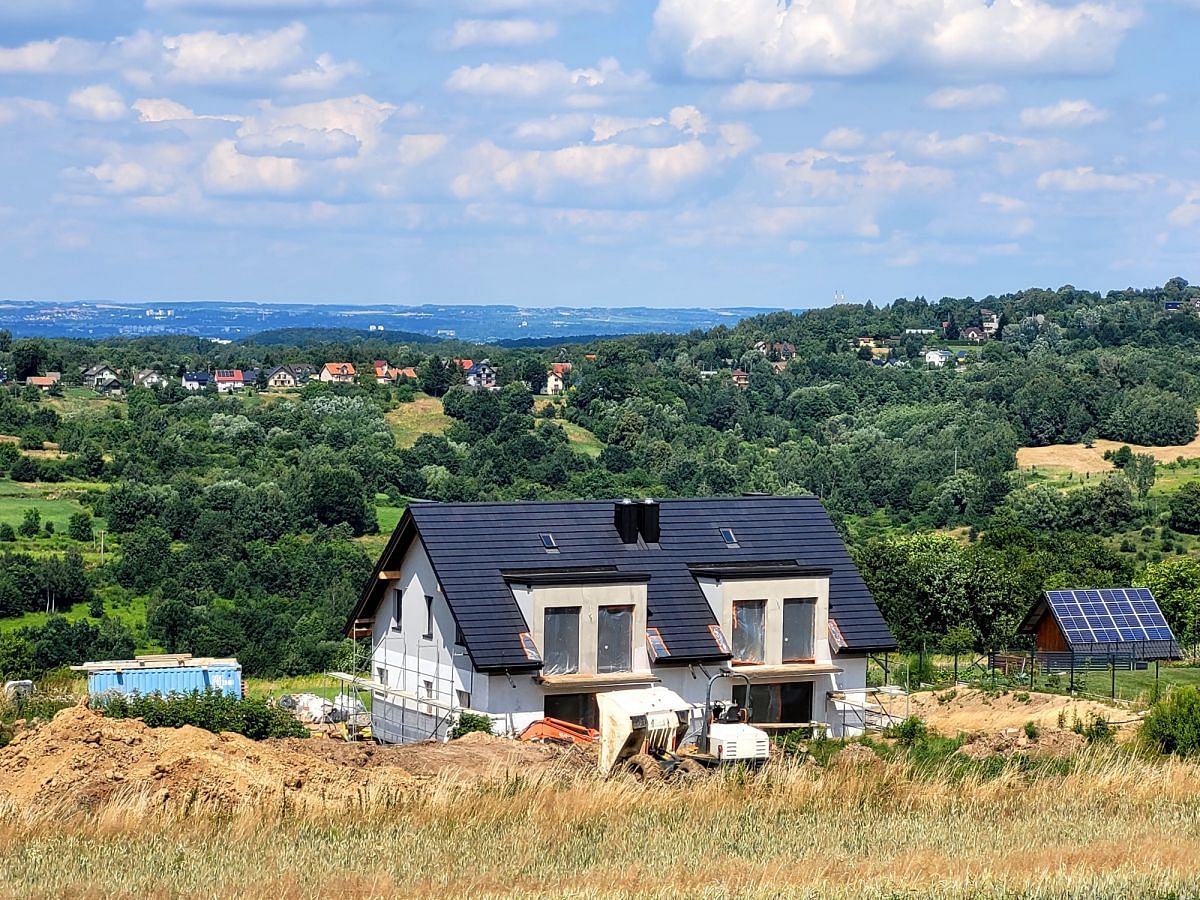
244,523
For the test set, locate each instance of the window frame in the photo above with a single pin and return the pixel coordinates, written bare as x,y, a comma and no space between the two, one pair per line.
397,609
811,603
631,612
564,611
428,633
733,631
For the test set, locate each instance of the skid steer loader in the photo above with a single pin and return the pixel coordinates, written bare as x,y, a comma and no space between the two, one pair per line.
646,732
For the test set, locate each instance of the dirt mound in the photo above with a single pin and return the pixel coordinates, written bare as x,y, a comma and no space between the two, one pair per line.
82,758
855,755
472,756
969,710
1056,743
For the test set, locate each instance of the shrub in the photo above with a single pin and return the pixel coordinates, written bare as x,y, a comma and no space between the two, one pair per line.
1095,730
1031,731
210,710
7,535
469,722
31,524
1173,723
49,527
79,528
909,732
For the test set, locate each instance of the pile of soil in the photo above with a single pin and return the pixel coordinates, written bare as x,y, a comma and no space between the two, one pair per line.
1056,743
471,757
82,758
969,710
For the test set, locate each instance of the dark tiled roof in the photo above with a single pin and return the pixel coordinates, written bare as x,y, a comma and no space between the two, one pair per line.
471,545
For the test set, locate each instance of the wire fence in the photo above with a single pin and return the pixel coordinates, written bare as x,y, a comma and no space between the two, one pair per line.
1099,677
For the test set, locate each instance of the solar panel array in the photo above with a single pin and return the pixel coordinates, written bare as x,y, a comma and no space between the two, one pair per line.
1109,616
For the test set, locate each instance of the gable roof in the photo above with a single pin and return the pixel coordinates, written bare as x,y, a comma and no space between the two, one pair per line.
229,376
473,545
340,368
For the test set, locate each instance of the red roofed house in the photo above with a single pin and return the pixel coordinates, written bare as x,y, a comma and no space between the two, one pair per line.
384,373
741,378
338,373
229,380
407,372
556,378
44,382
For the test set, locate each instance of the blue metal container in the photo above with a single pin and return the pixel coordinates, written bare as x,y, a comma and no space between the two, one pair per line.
223,677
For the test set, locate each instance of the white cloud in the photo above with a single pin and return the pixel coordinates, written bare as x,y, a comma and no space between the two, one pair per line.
320,126
209,57
556,129
609,171
1002,203
981,96
558,7
324,74
1064,114
99,101
228,172
843,139
13,109
822,174
499,33
766,95
415,149
766,38
932,145
1187,213
540,79
1087,179
62,56
252,6
164,110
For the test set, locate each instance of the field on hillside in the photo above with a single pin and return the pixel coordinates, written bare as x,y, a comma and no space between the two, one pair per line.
1082,460
55,502
411,420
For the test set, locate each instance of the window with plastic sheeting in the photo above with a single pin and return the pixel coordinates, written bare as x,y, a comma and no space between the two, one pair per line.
560,639
799,626
749,630
614,639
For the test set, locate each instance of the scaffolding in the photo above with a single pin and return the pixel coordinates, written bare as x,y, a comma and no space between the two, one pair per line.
870,708
398,714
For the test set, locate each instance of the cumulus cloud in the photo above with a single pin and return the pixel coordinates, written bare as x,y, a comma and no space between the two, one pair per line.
61,56
843,139
1064,114
820,173
1087,179
151,110
499,33
981,96
100,102
226,171
1002,203
764,38
322,130
298,142
605,170
578,87
210,57
257,6
766,95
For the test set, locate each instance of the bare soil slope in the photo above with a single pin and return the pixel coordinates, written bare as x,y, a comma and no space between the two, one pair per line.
1082,460
81,758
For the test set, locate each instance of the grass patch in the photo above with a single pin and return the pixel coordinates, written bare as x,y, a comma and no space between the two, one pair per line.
409,421
1093,828
581,439
129,611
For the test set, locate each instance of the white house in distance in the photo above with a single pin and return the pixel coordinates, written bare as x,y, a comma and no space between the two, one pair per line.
556,377
338,373
938,358
525,610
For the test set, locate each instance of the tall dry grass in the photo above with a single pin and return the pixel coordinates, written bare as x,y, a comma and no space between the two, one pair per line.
1107,825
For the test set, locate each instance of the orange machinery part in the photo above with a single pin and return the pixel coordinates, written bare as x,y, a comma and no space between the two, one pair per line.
558,730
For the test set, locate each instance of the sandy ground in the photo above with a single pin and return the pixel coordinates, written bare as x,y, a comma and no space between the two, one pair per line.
1081,459
82,759
972,711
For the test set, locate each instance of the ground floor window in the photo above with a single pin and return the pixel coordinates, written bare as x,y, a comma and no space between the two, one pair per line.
790,702
577,708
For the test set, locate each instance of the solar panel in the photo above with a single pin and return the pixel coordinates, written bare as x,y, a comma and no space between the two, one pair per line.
1109,616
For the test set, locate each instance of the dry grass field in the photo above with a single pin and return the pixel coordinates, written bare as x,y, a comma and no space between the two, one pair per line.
1106,824
1083,460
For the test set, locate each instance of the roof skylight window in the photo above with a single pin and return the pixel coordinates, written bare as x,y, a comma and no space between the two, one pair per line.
548,541
729,537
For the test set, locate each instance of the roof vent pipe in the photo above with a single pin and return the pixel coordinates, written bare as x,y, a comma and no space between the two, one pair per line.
649,521
625,518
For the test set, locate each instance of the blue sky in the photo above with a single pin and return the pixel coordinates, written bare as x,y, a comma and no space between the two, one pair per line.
594,152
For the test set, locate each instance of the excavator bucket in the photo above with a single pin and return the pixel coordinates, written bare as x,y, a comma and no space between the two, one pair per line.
559,732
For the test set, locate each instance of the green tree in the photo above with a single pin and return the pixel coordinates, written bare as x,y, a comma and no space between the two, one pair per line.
1185,508
79,527
1141,473
31,523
